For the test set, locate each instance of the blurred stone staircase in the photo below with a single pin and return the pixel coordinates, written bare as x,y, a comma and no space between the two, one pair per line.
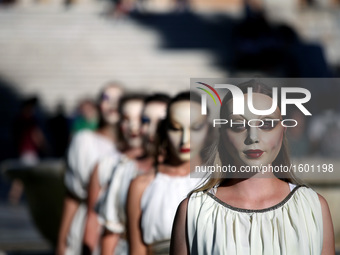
63,54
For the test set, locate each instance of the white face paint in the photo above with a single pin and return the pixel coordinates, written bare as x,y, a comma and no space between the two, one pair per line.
254,146
187,133
152,114
109,104
131,124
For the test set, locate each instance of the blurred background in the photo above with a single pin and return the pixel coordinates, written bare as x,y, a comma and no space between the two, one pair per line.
55,55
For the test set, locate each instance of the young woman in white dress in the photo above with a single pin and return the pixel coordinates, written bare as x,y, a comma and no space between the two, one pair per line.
85,149
253,213
153,198
116,179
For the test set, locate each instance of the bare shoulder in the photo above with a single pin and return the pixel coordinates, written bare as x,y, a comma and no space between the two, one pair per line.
328,246
140,183
179,238
182,208
181,214
323,201
326,214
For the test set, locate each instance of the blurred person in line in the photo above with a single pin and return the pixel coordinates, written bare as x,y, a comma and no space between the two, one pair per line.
86,117
154,198
111,206
86,149
253,212
129,143
30,141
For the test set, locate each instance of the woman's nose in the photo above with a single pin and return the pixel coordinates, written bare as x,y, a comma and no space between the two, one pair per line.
134,126
186,136
252,135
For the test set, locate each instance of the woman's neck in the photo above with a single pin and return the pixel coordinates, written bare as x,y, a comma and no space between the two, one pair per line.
109,131
254,187
175,170
134,153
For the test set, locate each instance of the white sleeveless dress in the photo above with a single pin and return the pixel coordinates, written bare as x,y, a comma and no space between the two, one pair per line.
112,202
292,227
159,205
85,150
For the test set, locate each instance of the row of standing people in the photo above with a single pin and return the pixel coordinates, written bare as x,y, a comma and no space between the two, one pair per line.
101,165
126,180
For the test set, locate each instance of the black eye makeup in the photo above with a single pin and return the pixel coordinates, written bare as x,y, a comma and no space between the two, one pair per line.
105,97
145,120
173,127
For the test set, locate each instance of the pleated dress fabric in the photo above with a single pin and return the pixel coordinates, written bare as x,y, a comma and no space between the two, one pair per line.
159,205
86,149
112,203
292,227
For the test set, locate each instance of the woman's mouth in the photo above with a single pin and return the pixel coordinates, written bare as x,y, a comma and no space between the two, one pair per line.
185,150
253,153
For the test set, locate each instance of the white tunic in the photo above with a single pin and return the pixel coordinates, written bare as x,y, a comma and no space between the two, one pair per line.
292,227
85,150
159,205
112,203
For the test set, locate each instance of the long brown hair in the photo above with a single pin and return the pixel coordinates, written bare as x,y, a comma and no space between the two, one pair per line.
219,147
163,144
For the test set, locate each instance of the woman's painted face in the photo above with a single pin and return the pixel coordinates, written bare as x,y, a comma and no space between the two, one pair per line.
188,129
109,104
254,146
131,123
152,114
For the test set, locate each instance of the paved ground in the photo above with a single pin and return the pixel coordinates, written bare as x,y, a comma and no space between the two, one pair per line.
18,234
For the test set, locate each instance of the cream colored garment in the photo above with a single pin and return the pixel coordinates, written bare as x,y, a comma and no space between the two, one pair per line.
105,168
292,227
112,203
159,204
85,150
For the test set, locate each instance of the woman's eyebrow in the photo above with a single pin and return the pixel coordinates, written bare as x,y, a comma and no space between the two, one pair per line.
174,123
271,116
236,115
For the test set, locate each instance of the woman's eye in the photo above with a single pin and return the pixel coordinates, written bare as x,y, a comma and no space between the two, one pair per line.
105,97
173,128
145,120
268,125
237,127
197,127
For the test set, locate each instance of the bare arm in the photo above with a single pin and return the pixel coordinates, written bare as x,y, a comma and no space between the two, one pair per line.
109,242
134,213
328,247
70,207
179,240
92,227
